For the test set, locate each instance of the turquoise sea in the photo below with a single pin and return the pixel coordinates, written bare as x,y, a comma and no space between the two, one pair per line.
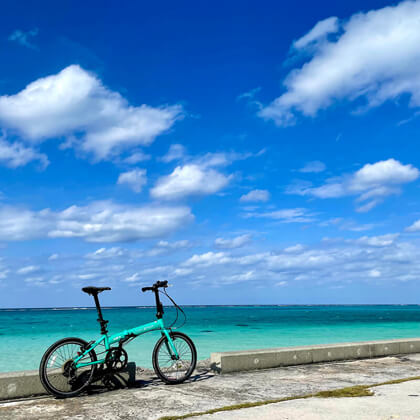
26,333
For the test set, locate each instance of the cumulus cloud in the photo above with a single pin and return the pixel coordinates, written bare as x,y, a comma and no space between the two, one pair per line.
335,262
236,242
165,247
255,196
378,241
318,33
371,184
28,269
207,259
24,38
189,180
175,152
74,103
100,221
386,257
200,175
374,57
16,154
105,253
135,179
313,167
137,157
415,227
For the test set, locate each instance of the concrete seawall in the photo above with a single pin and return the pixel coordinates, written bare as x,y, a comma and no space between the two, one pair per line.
26,383
236,361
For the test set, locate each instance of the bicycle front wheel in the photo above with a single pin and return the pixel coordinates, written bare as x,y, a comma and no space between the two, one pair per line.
169,369
57,372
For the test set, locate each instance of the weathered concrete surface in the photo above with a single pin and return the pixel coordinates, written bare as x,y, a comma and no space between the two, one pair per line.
398,401
238,361
151,399
26,383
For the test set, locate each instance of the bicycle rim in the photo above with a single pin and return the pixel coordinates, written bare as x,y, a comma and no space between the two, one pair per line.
59,373
171,370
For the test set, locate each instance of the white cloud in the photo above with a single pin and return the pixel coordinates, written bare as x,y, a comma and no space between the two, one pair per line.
374,273
165,247
189,180
375,57
197,177
175,152
24,38
378,241
294,248
100,221
297,215
338,261
132,278
371,184
347,224
207,259
28,269
88,276
75,103
255,196
105,253
236,242
16,154
181,272
239,278
415,227
318,33
335,262
135,179
248,95
313,167
53,257
137,157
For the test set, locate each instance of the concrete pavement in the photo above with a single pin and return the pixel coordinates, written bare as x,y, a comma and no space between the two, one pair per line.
398,401
151,399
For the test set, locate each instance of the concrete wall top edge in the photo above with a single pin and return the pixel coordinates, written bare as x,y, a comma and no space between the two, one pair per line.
316,347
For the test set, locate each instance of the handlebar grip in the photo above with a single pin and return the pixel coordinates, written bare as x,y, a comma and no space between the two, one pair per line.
145,289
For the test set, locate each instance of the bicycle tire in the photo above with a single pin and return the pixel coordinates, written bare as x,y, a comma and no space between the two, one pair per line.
45,379
178,339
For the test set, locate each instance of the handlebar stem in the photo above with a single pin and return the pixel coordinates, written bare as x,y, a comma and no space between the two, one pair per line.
159,306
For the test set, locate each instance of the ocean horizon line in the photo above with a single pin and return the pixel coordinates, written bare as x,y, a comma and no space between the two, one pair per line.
74,308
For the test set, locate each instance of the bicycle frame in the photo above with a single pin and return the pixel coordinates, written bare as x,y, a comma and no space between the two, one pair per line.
122,336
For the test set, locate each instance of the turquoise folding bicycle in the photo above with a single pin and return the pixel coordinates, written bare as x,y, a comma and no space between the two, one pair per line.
69,365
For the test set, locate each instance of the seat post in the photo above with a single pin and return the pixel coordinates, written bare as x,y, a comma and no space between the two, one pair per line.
101,320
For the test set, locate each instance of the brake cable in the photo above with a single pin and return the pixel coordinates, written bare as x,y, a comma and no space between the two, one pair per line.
178,309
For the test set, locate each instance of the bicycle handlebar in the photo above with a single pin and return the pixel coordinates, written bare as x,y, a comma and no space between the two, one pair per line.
155,286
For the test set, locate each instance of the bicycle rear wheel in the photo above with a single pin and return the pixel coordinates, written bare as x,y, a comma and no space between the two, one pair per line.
169,369
57,372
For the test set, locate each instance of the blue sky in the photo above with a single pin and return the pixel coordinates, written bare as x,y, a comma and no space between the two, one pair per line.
248,152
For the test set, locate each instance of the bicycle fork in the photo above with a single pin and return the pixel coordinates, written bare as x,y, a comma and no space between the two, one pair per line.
169,343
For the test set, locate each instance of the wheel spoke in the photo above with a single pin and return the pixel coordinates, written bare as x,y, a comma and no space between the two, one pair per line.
59,372
175,370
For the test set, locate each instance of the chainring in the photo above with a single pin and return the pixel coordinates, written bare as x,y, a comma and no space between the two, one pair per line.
116,359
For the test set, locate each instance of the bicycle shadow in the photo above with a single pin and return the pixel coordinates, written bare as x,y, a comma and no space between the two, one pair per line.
112,381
